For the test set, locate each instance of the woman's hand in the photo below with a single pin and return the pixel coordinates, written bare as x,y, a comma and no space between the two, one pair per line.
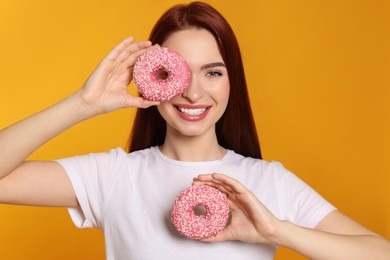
106,89
251,221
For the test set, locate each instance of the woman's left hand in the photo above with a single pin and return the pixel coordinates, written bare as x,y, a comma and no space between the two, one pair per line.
251,221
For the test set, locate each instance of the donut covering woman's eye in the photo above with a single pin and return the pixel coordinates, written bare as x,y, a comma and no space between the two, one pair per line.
161,74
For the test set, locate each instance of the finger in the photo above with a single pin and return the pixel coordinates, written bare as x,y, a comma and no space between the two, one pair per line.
218,180
133,48
221,236
130,59
117,50
225,190
141,102
198,183
205,177
223,187
148,103
234,184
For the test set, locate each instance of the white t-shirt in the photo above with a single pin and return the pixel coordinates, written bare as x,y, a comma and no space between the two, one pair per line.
129,197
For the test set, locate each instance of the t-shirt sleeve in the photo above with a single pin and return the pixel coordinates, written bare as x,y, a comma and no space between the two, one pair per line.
299,203
91,176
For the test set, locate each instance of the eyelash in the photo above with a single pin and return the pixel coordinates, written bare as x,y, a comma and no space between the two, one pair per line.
214,73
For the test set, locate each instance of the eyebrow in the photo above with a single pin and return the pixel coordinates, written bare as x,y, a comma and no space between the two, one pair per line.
212,65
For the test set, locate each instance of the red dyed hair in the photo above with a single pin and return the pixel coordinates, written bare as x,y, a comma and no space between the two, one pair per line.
236,129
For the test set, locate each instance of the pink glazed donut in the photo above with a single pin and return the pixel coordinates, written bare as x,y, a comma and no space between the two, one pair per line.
161,74
195,226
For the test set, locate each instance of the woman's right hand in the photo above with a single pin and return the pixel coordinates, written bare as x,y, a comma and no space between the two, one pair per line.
106,89
46,183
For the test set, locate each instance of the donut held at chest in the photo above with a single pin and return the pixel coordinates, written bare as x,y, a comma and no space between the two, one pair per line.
161,74
200,226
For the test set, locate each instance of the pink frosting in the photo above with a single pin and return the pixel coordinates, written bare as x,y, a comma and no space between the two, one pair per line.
146,74
207,225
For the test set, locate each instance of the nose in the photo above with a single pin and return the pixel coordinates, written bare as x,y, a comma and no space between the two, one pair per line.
194,92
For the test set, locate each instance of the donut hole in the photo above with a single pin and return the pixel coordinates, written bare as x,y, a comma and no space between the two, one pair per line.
162,74
199,210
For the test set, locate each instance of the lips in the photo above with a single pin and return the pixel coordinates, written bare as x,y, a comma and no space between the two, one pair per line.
192,113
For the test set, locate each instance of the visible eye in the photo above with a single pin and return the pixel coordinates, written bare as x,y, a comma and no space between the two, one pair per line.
214,73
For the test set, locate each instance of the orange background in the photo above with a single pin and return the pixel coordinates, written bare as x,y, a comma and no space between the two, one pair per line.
318,73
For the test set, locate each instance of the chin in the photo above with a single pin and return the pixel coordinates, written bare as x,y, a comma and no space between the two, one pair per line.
194,131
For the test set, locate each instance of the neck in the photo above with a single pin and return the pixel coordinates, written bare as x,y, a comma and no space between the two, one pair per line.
192,149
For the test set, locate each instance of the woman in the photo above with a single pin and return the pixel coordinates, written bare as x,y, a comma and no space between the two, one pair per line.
208,128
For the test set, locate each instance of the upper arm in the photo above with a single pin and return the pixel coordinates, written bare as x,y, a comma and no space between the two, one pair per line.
38,183
338,223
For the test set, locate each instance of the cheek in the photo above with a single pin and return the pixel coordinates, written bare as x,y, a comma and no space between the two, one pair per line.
225,93
163,110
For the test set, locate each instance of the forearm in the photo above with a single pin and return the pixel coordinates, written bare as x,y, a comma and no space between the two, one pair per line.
21,139
322,245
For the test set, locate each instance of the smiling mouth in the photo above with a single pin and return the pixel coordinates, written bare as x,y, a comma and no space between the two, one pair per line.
191,111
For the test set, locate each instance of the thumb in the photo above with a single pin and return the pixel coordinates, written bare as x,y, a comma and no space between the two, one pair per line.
140,102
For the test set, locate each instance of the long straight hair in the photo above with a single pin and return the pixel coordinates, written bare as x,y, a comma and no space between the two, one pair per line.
236,128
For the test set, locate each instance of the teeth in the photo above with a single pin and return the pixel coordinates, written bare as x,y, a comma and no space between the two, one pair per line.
192,112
